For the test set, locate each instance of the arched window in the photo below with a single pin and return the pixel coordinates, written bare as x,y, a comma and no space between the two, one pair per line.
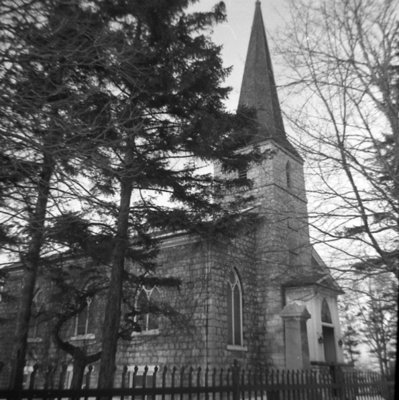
288,174
325,312
37,310
146,308
234,309
330,351
82,320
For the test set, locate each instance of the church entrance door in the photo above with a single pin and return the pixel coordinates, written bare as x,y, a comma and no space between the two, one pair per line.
330,353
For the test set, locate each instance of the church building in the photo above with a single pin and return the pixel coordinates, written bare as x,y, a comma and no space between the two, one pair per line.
264,298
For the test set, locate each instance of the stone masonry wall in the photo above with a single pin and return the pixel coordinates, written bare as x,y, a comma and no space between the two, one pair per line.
181,338
199,337
282,242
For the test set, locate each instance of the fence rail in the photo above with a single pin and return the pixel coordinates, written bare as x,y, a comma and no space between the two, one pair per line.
211,384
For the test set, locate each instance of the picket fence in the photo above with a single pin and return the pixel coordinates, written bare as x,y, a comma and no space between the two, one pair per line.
233,383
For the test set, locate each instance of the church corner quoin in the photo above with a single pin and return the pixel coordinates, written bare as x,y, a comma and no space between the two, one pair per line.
252,297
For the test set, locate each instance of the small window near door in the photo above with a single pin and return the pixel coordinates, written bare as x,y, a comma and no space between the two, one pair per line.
330,351
325,312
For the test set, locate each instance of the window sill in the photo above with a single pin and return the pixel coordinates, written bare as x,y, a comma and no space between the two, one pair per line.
236,348
151,332
88,336
35,340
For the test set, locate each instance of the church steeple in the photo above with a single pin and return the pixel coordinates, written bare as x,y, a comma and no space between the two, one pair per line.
258,89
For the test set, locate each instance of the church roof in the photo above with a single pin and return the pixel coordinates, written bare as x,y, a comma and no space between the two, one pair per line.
258,89
318,275
317,278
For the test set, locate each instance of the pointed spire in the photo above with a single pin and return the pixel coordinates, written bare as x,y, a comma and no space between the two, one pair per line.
258,89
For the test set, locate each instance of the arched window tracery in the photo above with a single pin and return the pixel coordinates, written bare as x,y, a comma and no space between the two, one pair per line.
82,320
234,309
146,316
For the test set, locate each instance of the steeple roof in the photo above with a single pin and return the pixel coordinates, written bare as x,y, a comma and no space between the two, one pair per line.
258,89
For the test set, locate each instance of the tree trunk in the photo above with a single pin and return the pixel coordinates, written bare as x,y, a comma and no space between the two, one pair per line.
79,365
31,263
79,354
114,298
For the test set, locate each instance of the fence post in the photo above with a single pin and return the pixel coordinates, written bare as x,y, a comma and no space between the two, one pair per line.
236,380
48,377
63,372
124,374
33,376
385,389
88,376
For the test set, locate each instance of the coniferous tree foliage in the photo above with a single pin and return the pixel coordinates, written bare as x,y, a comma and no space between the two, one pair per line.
75,287
168,106
350,335
112,107
46,94
351,342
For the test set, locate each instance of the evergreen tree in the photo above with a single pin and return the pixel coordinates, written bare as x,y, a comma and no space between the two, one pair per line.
167,107
49,111
80,277
351,342
350,337
75,287
125,95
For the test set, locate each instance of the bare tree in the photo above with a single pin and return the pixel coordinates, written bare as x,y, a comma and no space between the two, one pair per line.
375,302
341,57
